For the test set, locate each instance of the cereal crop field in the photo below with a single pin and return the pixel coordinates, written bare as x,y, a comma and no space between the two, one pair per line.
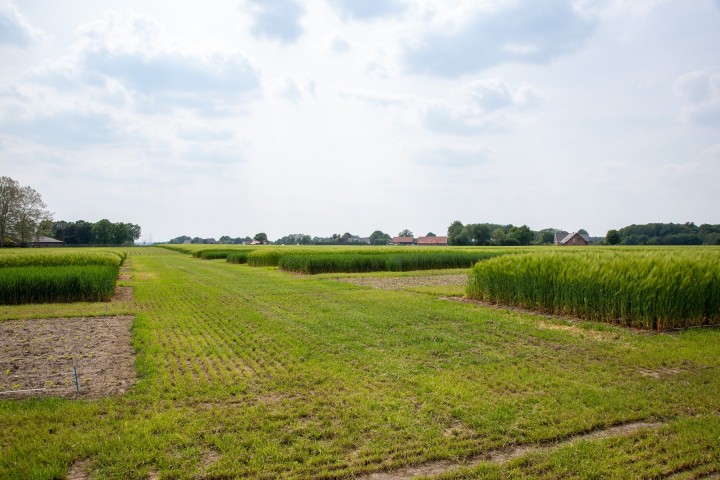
245,371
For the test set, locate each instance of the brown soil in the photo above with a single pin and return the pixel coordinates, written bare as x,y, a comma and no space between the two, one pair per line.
79,470
37,357
399,283
504,455
122,294
124,276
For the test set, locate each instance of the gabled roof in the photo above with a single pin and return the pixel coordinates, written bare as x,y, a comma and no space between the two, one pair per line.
403,239
560,235
43,239
571,235
432,240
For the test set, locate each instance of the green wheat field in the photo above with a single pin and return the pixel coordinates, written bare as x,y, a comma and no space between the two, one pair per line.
246,370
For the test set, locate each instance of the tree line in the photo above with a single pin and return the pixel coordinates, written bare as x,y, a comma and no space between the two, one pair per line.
103,232
24,217
489,234
665,234
482,234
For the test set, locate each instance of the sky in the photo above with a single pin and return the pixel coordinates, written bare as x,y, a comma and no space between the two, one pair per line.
330,116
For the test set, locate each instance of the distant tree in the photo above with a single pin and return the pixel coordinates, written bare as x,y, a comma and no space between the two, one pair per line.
612,237
379,236
456,234
668,234
583,231
294,239
545,236
476,234
498,236
430,234
84,232
102,232
180,239
405,233
522,234
261,237
196,240
226,239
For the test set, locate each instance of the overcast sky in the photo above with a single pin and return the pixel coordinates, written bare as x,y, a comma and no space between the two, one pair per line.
325,116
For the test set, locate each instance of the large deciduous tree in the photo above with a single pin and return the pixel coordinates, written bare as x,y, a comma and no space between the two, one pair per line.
22,212
9,200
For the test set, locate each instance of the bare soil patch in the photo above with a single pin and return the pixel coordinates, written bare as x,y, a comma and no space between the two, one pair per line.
399,283
504,455
122,294
79,470
124,276
37,357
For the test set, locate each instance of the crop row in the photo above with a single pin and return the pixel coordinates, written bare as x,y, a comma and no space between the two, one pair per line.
33,284
53,259
661,289
390,262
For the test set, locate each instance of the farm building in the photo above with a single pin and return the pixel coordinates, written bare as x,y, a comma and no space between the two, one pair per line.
559,235
403,241
433,241
573,238
43,241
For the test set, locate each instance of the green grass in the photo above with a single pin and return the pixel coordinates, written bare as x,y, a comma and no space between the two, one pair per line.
663,288
275,375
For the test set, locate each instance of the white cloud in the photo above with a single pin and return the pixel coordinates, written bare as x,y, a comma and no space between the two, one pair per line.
276,19
700,92
295,90
128,62
454,156
364,10
340,45
485,105
15,29
534,31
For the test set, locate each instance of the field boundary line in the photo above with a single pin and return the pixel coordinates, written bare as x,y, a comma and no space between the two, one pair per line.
504,455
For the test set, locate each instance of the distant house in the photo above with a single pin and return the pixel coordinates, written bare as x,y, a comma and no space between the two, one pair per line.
433,241
573,238
403,241
559,235
187,242
45,242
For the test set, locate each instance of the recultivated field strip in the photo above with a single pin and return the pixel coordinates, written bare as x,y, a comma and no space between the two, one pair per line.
251,372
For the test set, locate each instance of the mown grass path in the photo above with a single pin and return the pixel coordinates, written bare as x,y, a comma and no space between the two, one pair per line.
255,373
